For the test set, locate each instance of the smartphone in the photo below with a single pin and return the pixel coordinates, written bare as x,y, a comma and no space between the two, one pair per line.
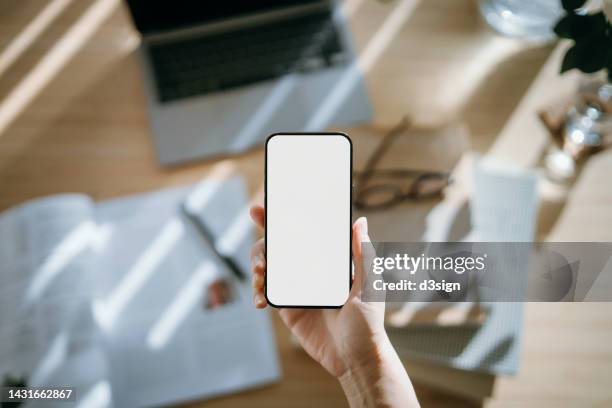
308,184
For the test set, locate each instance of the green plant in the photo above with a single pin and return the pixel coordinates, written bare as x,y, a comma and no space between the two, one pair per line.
592,36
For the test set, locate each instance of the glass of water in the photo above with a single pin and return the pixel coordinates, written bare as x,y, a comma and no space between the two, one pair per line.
529,19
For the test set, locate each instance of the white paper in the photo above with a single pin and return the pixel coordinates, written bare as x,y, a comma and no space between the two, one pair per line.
46,288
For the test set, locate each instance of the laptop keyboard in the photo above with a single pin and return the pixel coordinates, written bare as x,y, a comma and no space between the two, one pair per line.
230,59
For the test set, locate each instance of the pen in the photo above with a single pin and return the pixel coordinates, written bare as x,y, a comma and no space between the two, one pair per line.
207,235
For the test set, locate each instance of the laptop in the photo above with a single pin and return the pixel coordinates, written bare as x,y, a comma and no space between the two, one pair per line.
221,76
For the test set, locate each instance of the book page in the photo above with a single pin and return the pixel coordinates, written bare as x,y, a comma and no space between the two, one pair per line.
164,342
47,333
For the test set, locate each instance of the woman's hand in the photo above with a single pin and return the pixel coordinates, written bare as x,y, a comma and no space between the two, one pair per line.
351,342
336,338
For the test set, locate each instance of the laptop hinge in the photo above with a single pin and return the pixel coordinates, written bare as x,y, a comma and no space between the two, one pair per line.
233,23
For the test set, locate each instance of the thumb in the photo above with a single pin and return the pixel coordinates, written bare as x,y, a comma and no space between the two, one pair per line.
363,254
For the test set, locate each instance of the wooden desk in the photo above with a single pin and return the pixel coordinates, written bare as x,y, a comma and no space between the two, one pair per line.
73,118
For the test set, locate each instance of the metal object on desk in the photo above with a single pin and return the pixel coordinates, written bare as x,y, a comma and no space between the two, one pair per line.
207,235
579,130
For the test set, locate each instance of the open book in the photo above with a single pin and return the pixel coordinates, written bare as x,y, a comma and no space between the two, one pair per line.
111,298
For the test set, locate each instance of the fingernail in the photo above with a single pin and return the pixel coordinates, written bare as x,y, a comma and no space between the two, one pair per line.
255,261
259,300
363,226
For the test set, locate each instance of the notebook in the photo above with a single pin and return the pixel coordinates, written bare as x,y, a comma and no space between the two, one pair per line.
111,298
503,208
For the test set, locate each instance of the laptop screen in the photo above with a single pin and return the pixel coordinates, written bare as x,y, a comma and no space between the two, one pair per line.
161,15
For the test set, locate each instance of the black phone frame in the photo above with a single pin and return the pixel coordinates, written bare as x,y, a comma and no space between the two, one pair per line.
350,260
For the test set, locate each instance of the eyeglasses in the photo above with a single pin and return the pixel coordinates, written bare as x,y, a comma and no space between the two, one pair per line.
377,189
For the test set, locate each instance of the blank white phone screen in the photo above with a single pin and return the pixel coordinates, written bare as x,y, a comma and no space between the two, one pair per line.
308,220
